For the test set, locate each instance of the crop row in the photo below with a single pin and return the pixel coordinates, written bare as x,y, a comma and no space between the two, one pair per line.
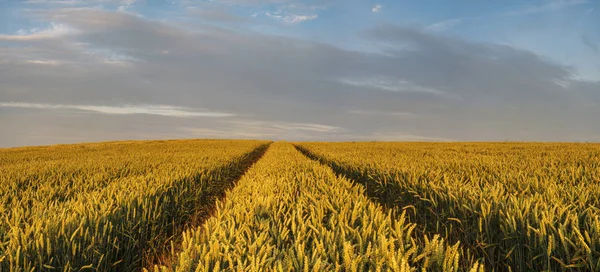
111,206
290,213
519,207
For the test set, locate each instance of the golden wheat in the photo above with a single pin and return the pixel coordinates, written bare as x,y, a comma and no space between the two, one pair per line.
104,206
289,213
342,207
517,206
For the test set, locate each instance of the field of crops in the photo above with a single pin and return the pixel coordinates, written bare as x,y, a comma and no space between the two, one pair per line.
210,205
109,206
519,207
290,213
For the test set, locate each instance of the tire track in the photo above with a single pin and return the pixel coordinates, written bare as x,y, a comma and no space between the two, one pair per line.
217,191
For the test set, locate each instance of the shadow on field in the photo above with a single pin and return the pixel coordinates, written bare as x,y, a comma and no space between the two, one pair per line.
394,198
204,207
387,195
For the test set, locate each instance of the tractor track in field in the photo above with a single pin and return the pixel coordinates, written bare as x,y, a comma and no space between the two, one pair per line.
373,190
219,189
392,198
389,196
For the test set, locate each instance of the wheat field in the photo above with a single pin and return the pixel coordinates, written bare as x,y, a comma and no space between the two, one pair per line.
110,206
514,206
234,205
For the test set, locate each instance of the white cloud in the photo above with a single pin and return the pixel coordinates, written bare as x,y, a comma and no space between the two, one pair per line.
306,127
383,113
253,2
34,34
286,11
262,129
58,2
44,62
294,19
377,8
226,133
590,44
551,6
126,4
291,18
278,127
109,57
293,80
403,137
388,84
164,110
443,25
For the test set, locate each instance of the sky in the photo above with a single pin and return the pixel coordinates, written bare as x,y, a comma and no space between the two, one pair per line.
317,70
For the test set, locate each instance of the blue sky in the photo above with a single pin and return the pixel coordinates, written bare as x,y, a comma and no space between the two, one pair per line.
299,70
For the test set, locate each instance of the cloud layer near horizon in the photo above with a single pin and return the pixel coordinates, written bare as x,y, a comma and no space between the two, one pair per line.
95,74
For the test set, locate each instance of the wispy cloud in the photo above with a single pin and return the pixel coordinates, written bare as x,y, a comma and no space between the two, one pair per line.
225,133
287,11
253,2
297,87
220,14
590,44
443,25
126,4
550,6
291,18
52,32
262,129
386,136
110,57
44,62
383,113
388,84
306,127
278,126
164,110
57,2
377,8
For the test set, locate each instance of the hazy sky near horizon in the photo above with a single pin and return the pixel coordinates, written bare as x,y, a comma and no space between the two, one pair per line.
395,70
